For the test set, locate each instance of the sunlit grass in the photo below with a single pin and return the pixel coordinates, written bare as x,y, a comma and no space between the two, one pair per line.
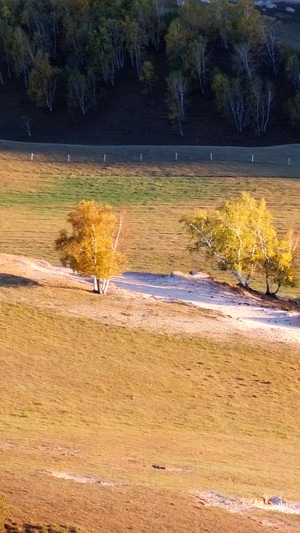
36,197
75,376
83,396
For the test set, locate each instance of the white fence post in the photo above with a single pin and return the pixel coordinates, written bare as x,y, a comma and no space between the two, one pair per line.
104,158
31,157
252,158
289,161
141,157
69,158
176,156
211,156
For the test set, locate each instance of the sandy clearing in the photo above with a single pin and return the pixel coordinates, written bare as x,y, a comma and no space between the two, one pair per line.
231,310
248,313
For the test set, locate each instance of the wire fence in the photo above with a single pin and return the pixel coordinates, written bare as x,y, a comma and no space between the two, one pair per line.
278,161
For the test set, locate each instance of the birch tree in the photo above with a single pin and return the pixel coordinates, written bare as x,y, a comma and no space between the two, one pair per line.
244,61
221,19
230,99
270,41
241,238
276,259
198,59
261,101
81,90
248,22
43,81
135,44
93,248
177,86
117,35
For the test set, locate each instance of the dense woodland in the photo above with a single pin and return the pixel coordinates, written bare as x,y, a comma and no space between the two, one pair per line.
80,60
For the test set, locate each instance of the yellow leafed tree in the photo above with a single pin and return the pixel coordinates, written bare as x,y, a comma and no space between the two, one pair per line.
240,236
93,248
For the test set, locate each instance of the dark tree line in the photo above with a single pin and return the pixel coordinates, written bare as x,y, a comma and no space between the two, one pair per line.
254,57
81,45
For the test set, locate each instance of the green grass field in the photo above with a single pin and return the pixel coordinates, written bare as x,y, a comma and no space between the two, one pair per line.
290,30
90,399
35,197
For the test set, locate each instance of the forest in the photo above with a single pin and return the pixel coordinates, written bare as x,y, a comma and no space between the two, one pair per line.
218,66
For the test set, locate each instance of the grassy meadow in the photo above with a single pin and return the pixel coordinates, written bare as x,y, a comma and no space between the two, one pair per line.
35,196
109,402
290,32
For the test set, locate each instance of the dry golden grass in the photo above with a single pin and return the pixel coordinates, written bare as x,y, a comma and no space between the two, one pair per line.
85,397
90,397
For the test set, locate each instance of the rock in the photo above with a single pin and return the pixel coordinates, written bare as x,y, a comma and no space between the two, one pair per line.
273,500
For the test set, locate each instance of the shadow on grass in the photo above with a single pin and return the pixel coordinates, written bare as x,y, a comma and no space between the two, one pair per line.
8,280
12,527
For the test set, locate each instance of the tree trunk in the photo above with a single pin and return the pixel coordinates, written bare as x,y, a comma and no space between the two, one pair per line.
240,280
268,291
101,285
278,287
96,288
104,285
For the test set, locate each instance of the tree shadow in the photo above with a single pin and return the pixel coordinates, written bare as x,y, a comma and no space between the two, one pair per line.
12,527
9,280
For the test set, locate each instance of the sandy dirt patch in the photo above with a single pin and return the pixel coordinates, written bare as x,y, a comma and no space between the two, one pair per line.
253,508
240,505
247,312
175,303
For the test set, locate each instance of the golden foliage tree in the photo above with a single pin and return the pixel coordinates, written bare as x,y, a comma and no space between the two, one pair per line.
241,238
94,246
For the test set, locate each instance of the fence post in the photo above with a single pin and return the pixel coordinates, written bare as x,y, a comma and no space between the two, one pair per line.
69,158
211,156
176,156
104,158
252,158
141,157
289,161
31,157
